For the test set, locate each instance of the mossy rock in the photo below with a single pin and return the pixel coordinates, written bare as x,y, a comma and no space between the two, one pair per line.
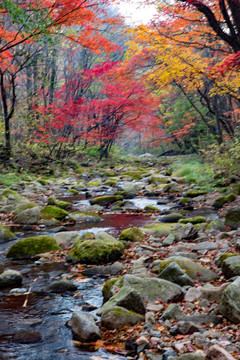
54,212
219,202
194,270
94,183
232,217
59,203
237,188
106,290
132,234
151,208
195,193
117,317
184,201
42,182
225,256
96,252
159,229
231,266
110,182
217,225
14,196
84,218
5,233
74,192
32,246
195,220
171,218
105,200
21,207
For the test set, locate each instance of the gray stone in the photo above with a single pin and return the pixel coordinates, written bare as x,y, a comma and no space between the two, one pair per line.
66,238
191,356
81,218
151,288
104,236
84,327
230,302
171,312
62,286
117,317
201,318
205,245
29,216
188,327
112,270
169,240
10,278
213,293
215,352
231,266
127,298
171,218
174,273
27,336
232,217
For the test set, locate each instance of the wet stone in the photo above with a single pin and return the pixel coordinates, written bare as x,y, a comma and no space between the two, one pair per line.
27,336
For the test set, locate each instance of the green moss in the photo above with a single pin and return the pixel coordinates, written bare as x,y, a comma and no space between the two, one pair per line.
61,204
96,252
5,233
231,197
94,183
53,212
110,182
237,188
24,206
225,256
42,182
32,246
73,192
151,208
132,234
107,287
159,229
216,224
195,220
184,201
195,193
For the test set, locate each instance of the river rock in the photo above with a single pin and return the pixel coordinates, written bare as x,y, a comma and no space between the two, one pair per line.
24,206
191,356
27,337
151,288
215,352
10,278
117,317
82,218
13,197
112,270
59,203
129,186
194,270
175,274
105,200
230,302
104,236
84,327
201,318
5,234
171,218
231,266
54,212
66,238
232,217
96,252
29,216
213,293
171,312
127,298
132,234
205,245
62,285
31,246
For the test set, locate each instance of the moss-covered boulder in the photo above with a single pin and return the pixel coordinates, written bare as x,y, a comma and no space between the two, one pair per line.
59,203
132,234
194,270
107,289
5,234
195,220
232,217
159,229
73,192
84,218
171,218
195,193
220,201
151,208
231,266
14,197
32,246
96,252
21,207
105,200
117,317
54,212
94,183
216,225
230,302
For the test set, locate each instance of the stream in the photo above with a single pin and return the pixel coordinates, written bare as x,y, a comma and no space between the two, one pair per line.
48,312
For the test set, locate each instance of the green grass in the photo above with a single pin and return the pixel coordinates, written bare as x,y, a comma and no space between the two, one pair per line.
10,179
194,171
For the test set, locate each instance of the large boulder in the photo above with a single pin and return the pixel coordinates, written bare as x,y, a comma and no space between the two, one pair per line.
171,218
84,327
83,218
54,212
215,352
24,206
230,302
151,288
105,200
232,217
59,203
5,234
132,234
29,216
231,266
174,273
66,238
31,246
117,317
126,297
96,252
194,270
14,197
129,186
10,278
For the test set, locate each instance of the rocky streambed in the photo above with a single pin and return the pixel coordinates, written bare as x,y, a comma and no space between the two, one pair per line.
168,260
